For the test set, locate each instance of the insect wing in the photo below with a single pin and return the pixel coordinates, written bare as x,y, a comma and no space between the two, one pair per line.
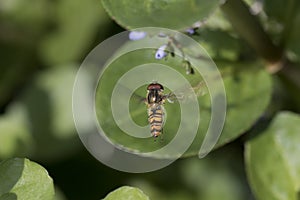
133,95
186,93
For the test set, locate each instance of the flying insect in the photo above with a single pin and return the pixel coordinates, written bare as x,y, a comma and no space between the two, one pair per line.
155,100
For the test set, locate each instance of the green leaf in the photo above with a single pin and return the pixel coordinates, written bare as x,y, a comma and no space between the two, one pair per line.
161,191
248,90
39,124
9,196
48,103
125,193
136,14
77,24
23,179
272,159
15,137
220,44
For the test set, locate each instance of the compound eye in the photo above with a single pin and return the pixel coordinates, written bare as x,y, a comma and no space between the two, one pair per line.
155,86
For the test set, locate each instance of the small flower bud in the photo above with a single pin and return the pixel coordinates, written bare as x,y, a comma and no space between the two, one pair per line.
137,35
161,53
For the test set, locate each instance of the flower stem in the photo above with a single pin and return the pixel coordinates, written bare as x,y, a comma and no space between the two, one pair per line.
251,30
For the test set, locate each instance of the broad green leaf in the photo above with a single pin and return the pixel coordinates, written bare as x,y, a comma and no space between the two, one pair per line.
248,90
15,137
39,124
22,179
77,25
125,193
48,104
161,191
219,44
272,159
172,14
9,196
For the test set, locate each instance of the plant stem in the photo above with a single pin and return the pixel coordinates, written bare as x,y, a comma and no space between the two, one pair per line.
250,29
289,21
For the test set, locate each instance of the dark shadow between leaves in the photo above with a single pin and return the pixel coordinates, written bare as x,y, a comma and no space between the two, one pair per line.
9,196
11,172
40,112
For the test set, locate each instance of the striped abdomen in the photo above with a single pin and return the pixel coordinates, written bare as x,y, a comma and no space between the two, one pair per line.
156,119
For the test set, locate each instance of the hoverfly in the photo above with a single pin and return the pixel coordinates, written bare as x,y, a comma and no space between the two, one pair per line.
155,100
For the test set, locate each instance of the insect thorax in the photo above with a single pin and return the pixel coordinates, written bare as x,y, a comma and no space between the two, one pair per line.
155,97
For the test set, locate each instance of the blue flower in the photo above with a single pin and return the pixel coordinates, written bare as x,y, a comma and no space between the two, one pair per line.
137,35
192,31
161,53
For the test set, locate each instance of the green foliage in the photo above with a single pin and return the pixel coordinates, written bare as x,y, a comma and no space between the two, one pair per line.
126,192
69,15
48,104
248,90
15,136
40,122
198,179
272,158
22,179
220,44
42,43
211,173
136,14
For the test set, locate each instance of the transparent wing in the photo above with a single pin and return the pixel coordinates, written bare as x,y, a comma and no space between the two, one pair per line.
134,96
138,98
198,88
186,93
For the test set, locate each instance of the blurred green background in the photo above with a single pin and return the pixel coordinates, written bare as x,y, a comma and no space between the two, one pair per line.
42,43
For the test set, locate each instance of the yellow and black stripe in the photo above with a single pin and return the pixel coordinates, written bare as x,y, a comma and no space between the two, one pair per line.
155,118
